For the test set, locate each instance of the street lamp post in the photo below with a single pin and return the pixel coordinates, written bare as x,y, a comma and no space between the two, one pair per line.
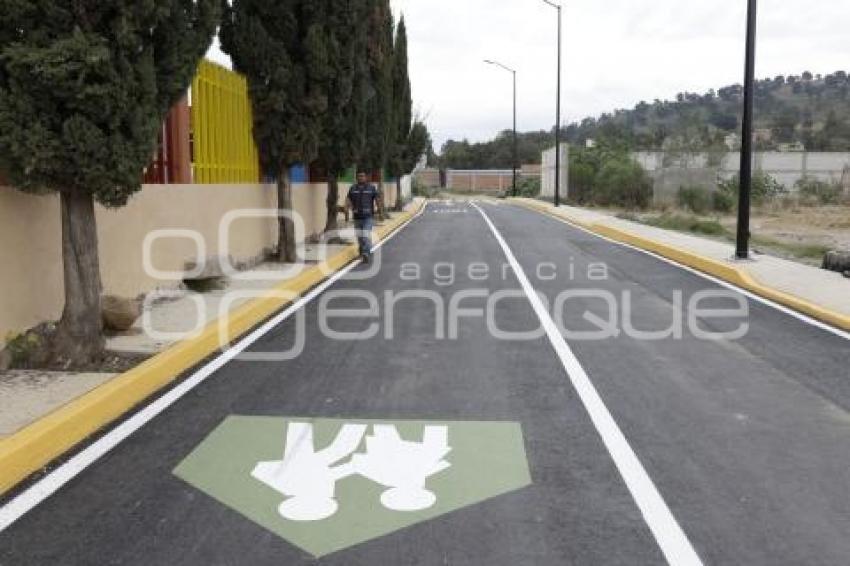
742,248
516,147
558,113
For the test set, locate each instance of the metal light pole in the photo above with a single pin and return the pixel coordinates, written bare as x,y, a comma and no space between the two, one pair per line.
558,114
742,249
516,150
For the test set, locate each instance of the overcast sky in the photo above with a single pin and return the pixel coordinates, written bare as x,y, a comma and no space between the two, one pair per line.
616,53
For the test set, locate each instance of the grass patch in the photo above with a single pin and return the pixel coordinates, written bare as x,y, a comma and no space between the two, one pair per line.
696,225
805,251
691,224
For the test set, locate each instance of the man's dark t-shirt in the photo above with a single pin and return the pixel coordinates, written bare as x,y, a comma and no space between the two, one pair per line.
363,199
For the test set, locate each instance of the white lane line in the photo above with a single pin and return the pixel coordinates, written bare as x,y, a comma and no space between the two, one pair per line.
671,538
731,286
51,483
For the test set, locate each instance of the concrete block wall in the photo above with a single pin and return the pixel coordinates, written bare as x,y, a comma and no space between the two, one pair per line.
548,172
31,281
787,168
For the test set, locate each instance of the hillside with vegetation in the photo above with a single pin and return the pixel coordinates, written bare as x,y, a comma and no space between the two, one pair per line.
797,111
806,111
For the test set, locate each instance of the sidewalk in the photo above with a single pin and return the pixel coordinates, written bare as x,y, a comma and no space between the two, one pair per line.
829,291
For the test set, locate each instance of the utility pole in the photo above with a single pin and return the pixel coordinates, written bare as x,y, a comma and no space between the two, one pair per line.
742,248
516,143
558,113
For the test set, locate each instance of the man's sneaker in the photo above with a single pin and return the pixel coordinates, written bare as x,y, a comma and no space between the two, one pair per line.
366,259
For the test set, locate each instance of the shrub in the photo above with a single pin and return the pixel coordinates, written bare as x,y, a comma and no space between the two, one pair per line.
819,191
582,177
722,201
623,182
22,347
695,199
765,188
683,223
529,187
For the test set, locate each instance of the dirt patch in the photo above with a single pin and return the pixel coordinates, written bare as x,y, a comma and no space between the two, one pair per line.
828,226
783,229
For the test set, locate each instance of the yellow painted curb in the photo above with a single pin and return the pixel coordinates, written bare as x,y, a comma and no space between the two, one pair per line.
35,446
726,272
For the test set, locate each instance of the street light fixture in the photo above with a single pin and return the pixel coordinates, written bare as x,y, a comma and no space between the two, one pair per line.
516,150
742,248
558,113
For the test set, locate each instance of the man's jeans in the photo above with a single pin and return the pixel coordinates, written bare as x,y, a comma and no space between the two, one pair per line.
364,234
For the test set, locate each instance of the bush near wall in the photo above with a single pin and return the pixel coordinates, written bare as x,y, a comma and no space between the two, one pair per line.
696,199
765,188
607,175
623,182
820,191
529,187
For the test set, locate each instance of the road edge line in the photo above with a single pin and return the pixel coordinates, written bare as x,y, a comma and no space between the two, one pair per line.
671,539
43,441
728,273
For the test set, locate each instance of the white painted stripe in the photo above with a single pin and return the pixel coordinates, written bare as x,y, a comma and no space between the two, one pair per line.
671,538
51,483
731,286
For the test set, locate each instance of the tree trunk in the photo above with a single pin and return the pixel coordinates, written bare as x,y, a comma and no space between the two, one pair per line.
382,205
79,336
333,202
399,201
286,226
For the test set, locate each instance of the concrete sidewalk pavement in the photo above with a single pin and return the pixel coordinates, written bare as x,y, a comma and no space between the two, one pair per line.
828,290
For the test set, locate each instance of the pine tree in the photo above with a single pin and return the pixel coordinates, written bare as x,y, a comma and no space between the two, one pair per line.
282,49
344,125
380,106
402,112
84,87
417,145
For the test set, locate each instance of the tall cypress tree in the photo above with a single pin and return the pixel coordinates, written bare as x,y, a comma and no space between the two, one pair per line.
84,87
380,106
346,87
281,47
402,111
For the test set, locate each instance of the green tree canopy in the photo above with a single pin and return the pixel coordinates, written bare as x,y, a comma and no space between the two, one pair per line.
84,87
343,135
282,48
380,26
402,103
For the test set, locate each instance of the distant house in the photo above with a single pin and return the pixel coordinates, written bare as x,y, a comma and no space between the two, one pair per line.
763,135
733,142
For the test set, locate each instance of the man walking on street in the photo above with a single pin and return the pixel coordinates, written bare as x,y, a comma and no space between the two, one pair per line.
363,201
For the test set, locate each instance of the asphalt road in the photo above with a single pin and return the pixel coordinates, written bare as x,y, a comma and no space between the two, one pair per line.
737,449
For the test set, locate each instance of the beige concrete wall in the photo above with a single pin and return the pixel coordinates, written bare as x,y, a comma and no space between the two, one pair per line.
31,287
30,260
197,208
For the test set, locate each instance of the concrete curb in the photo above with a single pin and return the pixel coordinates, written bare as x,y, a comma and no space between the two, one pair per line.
724,271
35,446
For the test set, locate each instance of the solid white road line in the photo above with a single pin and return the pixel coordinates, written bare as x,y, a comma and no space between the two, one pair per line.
731,286
672,540
51,483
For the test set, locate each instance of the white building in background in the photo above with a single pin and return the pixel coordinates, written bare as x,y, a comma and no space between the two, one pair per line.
548,173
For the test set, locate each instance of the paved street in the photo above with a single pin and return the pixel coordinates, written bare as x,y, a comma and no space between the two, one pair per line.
567,446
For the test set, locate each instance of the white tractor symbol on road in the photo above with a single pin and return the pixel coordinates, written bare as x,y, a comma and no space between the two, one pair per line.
307,477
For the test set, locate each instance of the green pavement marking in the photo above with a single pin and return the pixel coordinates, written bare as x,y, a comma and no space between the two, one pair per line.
387,475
